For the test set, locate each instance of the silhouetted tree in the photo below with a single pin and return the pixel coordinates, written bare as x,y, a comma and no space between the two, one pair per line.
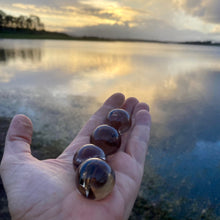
1,20
22,22
8,21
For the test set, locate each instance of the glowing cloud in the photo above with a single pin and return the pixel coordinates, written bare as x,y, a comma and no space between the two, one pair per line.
152,19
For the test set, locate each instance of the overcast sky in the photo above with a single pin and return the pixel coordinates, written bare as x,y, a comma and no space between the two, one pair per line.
172,20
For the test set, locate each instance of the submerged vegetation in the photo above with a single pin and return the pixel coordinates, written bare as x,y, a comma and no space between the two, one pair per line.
143,209
44,149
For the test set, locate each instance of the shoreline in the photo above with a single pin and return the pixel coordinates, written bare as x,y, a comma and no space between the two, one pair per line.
44,35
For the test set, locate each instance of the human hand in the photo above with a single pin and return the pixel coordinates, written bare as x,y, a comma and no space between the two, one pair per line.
46,189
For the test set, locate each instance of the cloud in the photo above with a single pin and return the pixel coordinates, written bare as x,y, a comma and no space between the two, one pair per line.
110,11
47,3
150,29
102,9
154,19
207,10
59,15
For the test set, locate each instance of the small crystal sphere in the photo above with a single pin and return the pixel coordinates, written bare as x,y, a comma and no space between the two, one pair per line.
119,119
107,138
85,152
95,179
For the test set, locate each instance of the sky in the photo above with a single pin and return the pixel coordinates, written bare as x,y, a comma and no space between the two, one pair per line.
167,20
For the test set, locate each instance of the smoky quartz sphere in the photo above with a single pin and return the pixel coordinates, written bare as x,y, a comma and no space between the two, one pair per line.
107,138
86,152
119,119
95,179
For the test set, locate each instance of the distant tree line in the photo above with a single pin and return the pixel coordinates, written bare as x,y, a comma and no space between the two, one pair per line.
32,22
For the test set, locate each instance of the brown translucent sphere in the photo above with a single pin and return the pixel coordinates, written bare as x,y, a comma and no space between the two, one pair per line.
85,152
119,119
95,179
107,138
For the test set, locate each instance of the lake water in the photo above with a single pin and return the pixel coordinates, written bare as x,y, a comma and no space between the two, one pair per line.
59,84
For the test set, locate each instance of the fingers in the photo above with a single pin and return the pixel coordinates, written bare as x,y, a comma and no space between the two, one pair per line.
140,106
114,101
19,136
131,140
139,137
134,107
130,104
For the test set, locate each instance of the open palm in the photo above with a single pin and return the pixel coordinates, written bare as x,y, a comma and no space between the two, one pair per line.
46,189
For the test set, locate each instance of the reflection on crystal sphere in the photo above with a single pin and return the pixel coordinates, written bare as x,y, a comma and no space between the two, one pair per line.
107,138
95,179
119,119
85,152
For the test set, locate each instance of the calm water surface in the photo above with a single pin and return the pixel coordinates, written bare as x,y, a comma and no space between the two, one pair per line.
59,84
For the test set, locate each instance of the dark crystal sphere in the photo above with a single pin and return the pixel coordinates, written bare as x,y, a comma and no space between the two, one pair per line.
85,152
107,138
95,179
119,119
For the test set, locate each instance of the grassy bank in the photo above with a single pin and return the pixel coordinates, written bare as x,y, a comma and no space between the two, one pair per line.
33,35
13,33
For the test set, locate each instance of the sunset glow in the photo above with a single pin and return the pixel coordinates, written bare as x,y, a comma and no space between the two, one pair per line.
175,20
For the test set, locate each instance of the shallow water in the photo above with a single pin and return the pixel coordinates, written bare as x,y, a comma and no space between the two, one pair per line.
59,84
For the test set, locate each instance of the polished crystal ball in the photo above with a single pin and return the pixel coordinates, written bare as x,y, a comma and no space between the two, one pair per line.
107,138
119,119
85,152
95,179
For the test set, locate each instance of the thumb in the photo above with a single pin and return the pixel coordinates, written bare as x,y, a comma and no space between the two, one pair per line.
19,136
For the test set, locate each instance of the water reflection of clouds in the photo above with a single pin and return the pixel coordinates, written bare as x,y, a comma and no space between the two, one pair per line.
189,111
13,60
62,69
5,77
184,150
141,70
64,66
181,84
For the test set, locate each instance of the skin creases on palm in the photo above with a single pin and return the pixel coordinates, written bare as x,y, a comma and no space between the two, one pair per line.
47,190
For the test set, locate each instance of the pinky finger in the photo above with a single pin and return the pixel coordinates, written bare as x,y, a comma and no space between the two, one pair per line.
139,138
